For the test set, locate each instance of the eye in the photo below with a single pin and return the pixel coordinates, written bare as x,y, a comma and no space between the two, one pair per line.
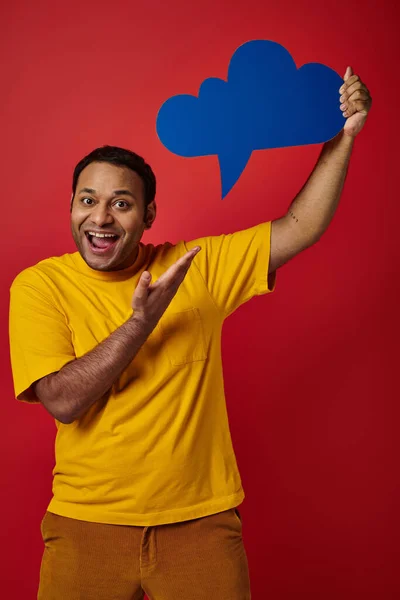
126,205
86,203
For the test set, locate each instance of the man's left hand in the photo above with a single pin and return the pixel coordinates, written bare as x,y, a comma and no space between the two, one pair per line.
355,102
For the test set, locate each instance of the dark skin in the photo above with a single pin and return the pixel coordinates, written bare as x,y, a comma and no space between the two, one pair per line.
68,393
102,209
110,199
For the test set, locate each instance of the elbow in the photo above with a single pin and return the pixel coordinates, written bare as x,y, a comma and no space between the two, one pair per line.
58,411
309,239
50,396
314,240
68,415
64,418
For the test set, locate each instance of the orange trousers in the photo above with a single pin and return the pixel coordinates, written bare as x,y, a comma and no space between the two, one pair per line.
200,559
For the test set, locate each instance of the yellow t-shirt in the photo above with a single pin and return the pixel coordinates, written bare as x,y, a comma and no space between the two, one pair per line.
157,449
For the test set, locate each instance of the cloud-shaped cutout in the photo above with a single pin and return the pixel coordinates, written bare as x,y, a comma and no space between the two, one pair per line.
266,102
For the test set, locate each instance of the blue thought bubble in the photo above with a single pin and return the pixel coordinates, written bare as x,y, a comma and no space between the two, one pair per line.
265,103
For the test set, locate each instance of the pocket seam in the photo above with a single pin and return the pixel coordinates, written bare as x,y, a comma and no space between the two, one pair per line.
201,342
238,515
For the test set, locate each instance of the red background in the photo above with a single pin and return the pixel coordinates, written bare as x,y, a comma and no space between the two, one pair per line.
311,371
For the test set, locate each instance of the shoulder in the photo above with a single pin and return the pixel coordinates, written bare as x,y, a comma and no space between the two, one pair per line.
42,273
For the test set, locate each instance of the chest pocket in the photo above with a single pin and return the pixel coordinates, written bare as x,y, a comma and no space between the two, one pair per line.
183,336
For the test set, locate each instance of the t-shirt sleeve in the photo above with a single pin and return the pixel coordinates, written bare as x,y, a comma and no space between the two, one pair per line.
235,266
40,340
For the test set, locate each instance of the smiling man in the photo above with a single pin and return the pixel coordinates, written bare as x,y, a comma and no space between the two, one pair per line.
121,343
112,244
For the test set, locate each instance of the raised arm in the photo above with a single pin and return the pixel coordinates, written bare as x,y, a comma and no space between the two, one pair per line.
313,208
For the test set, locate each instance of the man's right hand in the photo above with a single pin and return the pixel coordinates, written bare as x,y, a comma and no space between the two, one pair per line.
68,393
150,301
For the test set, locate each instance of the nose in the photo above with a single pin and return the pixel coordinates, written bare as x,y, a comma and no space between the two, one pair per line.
100,215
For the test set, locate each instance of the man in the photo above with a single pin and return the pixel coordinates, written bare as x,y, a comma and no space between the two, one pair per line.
120,342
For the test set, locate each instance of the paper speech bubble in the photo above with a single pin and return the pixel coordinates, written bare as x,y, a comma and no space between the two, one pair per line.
265,103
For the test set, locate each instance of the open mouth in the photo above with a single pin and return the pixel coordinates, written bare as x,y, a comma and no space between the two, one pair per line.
101,243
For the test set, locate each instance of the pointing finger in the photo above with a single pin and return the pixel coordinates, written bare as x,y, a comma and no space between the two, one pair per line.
180,267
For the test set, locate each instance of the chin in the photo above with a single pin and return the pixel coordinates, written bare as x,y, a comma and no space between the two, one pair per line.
100,263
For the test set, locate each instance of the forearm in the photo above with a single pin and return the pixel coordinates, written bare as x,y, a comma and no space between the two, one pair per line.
70,392
313,208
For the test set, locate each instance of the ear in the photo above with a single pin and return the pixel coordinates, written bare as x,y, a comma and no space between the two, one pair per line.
151,214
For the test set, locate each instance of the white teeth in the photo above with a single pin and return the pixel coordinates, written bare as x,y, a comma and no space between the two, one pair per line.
101,235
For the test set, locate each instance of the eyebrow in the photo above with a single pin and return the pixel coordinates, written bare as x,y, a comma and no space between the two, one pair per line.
86,190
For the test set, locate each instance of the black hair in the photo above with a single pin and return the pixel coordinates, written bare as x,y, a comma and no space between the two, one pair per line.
122,158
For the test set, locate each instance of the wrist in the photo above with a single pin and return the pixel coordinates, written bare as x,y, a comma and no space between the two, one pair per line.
340,147
342,139
139,325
